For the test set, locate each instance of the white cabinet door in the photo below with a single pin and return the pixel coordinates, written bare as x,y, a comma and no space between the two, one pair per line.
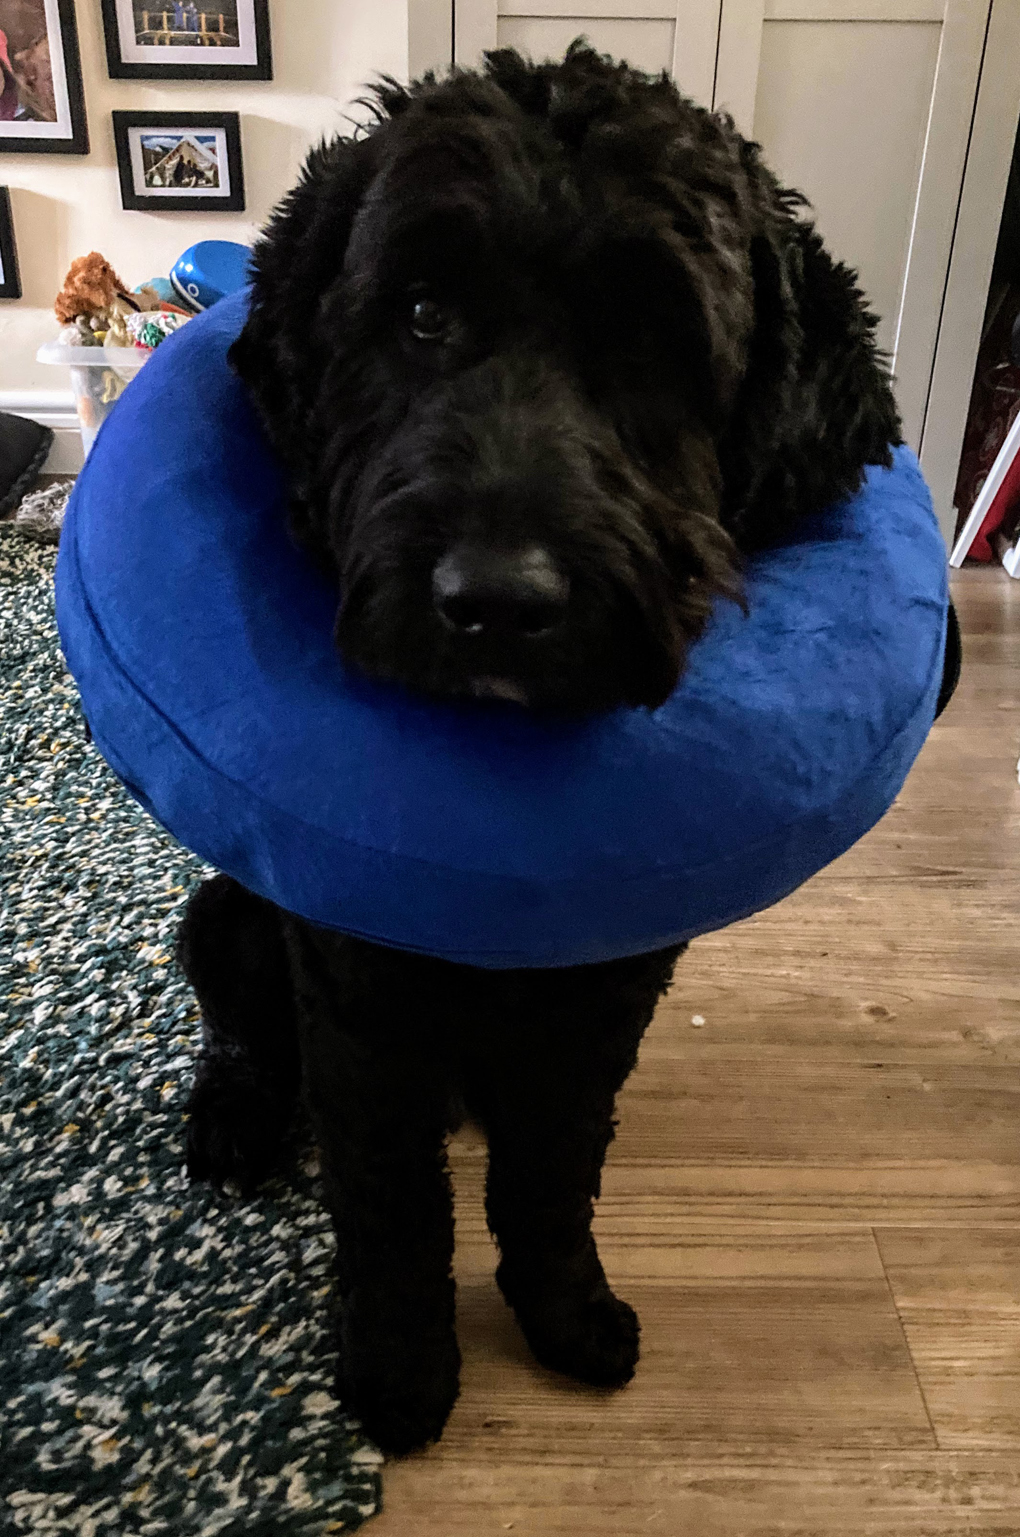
679,36
865,105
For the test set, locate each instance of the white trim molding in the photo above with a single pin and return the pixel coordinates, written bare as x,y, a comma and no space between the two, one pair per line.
51,408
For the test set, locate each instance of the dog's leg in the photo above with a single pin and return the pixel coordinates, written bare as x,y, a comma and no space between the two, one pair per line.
377,1085
544,1083
232,950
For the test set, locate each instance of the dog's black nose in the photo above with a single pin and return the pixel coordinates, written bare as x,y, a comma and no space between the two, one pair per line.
481,590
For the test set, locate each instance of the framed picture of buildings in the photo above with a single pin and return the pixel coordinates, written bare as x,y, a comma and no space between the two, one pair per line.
42,110
187,39
10,283
183,162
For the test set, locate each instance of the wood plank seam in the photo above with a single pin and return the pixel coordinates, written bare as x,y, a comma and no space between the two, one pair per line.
906,1340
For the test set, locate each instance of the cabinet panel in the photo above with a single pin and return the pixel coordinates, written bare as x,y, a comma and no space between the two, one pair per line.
844,118
429,36
865,105
680,36
646,42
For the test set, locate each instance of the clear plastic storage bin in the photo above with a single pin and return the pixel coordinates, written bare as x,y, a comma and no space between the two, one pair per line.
99,376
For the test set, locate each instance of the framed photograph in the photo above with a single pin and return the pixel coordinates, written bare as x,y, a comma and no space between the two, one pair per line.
184,162
187,39
42,109
10,283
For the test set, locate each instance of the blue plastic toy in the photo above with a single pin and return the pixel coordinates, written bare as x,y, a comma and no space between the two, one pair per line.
208,271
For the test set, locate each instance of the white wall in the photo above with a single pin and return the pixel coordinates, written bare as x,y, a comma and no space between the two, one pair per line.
66,205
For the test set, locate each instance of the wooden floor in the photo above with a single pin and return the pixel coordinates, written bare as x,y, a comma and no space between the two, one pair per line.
813,1201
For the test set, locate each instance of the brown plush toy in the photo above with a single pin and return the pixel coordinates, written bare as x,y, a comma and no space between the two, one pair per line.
91,287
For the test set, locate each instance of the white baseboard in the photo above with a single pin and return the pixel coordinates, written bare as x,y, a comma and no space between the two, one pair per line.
52,408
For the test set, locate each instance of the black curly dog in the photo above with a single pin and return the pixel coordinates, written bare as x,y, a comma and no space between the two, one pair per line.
545,352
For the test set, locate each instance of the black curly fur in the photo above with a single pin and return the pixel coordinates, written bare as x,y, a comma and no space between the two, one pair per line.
649,367
392,1047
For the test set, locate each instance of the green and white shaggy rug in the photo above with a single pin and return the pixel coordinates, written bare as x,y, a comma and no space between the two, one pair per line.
165,1363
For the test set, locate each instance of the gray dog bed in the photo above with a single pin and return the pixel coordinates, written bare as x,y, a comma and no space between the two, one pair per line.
165,1368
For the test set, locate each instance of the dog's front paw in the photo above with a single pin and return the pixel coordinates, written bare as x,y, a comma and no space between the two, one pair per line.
233,1131
401,1385
588,1334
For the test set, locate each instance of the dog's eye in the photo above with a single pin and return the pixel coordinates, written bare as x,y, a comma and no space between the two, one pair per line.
430,322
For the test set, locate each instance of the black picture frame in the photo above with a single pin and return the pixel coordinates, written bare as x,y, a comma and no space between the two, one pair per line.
10,278
128,129
255,12
16,136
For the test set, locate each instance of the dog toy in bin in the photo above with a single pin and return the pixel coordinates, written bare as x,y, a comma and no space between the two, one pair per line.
92,291
209,271
108,331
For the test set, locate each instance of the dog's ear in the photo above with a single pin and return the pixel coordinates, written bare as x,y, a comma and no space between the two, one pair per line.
299,256
815,404
760,420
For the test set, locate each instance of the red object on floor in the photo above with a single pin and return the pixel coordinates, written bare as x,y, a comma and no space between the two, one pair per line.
1005,502
994,406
